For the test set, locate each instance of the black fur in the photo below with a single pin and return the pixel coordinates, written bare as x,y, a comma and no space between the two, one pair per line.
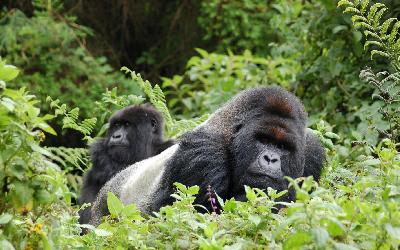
227,152
143,127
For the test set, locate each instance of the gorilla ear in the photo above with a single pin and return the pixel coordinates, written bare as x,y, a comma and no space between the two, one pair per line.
154,125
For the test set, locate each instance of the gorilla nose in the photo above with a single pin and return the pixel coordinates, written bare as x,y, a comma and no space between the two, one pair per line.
117,136
269,158
270,163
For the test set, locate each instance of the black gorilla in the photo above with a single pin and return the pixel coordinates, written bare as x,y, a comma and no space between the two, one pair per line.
255,139
135,133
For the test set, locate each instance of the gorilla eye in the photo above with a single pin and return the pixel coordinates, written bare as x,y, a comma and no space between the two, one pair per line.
127,124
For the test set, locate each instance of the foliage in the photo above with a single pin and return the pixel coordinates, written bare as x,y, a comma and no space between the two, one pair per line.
384,39
361,214
237,25
198,90
34,195
51,50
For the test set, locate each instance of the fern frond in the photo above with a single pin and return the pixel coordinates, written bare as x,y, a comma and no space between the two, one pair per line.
369,43
385,26
377,17
351,10
377,33
373,10
358,18
70,118
156,97
394,32
345,2
69,158
365,25
378,52
373,34
364,6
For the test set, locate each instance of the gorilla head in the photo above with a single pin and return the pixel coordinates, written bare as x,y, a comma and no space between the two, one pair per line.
272,145
255,139
135,133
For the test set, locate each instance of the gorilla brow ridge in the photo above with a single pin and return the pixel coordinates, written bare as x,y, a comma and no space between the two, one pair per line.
279,106
276,134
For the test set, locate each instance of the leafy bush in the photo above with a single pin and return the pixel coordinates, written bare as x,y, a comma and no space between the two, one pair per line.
51,50
360,214
34,196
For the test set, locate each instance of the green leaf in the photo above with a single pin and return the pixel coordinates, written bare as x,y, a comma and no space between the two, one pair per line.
377,17
8,72
115,206
342,246
46,128
320,236
22,192
43,196
193,190
394,232
250,194
180,187
334,226
5,218
255,219
131,212
230,205
371,162
210,229
102,232
332,135
6,245
358,18
296,240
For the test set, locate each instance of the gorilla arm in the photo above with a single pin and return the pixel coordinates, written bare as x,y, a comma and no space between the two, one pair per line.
136,184
314,156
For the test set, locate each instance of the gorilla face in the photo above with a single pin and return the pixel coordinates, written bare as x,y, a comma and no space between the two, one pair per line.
130,126
267,149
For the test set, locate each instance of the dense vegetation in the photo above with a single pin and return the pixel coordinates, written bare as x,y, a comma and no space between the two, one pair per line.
342,58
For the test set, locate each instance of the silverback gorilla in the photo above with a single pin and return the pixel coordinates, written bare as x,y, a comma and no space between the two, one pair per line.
255,139
135,133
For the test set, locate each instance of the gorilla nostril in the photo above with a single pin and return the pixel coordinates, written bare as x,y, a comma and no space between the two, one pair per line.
267,158
274,160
